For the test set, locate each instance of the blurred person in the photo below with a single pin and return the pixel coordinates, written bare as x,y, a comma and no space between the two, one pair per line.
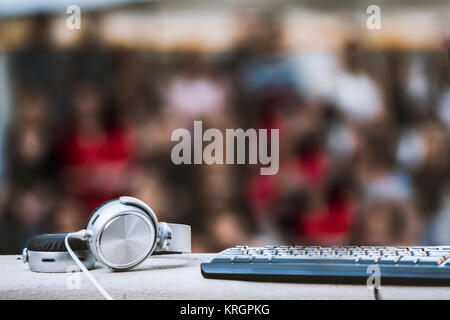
387,223
268,75
443,108
217,186
96,150
149,184
304,202
433,174
329,215
68,216
437,232
32,63
25,214
424,151
443,84
152,133
30,155
377,170
5,106
341,142
268,65
196,93
417,84
224,230
357,95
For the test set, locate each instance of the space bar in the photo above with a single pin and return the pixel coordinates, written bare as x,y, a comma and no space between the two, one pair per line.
296,259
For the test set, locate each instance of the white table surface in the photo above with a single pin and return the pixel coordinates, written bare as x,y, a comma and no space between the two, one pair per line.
178,277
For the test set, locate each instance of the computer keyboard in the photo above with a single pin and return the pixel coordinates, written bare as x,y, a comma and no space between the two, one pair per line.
351,264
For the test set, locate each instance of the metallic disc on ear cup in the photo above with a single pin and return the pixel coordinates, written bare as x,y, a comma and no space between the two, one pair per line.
126,240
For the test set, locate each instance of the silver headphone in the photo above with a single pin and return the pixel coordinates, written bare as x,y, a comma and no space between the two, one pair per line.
120,234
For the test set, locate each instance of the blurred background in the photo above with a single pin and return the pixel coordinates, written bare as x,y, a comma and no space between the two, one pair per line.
364,117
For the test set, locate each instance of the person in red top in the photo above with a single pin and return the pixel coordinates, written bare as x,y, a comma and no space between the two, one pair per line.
307,201
96,152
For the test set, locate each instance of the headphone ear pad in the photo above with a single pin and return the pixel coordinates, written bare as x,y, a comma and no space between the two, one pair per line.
54,243
48,253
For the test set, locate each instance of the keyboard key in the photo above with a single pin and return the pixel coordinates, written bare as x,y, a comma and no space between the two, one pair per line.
243,259
262,259
429,260
389,260
326,254
436,253
408,260
339,260
288,259
419,254
223,259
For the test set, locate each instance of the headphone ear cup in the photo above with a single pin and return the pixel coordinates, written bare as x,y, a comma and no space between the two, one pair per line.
122,235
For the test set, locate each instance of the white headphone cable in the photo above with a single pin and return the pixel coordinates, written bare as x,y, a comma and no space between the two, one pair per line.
83,234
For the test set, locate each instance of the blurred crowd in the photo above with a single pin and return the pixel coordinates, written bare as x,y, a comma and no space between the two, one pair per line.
364,141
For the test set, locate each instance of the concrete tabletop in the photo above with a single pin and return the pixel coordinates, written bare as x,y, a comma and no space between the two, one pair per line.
178,277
